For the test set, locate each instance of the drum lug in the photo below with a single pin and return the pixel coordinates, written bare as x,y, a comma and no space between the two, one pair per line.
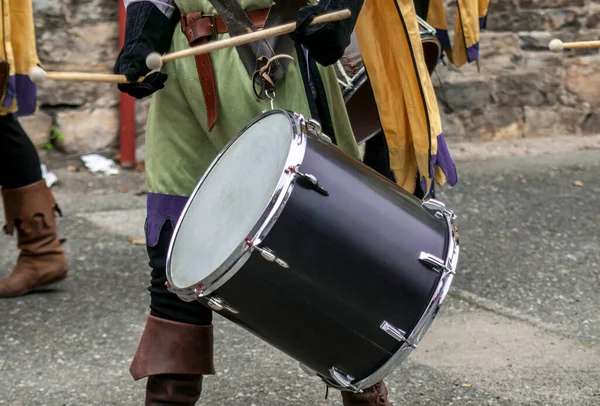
439,208
268,254
396,333
343,379
435,263
218,304
308,181
315,127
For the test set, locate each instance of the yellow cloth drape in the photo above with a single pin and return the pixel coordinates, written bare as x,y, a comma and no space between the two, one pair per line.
19,49
470,19
390,43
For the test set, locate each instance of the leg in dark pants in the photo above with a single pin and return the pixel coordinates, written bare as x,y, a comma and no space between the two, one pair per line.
163,303
176,348
19,161
29,208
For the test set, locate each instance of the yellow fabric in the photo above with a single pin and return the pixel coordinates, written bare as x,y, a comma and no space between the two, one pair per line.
390,43
466,27
18,36
484,7
436,15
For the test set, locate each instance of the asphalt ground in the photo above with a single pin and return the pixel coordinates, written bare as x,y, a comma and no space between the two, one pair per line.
521,325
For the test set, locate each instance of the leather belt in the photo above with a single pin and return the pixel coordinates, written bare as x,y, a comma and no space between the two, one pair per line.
200,28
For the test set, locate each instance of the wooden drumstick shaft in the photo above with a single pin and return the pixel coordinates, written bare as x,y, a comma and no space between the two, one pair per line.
557,45
582,44
87,77
251,37
37,75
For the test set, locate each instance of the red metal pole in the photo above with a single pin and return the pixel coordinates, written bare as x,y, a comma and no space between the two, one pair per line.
127,108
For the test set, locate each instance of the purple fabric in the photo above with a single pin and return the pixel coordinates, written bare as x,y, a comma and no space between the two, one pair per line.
159,209
473,52
26,95
11,91
482,22
21,87
444,161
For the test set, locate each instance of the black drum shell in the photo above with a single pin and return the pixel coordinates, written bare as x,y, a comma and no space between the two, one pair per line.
353,263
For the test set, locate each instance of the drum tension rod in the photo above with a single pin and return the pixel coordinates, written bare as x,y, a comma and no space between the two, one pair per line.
435,263
315,127
308,181
267,254
343,379
439,208
217,304
397,334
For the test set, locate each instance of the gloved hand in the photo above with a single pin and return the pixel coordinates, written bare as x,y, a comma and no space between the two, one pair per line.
147,30
326,42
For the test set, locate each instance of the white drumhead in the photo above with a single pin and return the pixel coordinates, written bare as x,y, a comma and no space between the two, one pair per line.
231,199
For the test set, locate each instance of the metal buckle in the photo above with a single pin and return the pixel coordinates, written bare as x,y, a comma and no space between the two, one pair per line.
213,24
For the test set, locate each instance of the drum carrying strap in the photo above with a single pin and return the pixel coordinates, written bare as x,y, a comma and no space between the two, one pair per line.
267,60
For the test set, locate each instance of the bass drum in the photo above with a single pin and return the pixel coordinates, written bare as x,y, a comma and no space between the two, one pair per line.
315,253
356,88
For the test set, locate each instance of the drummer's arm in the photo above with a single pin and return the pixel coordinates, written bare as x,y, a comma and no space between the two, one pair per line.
149,28
167,7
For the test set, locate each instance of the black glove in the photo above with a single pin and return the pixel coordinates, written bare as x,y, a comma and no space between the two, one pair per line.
326,42
147,30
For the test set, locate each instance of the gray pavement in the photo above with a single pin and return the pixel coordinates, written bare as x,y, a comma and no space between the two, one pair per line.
521,327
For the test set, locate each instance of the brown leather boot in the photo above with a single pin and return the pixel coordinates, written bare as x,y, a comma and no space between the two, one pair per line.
376,395
174,356
30,210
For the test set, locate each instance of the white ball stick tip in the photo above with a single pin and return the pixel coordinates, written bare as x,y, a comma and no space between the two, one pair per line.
37,74
153,61
556,45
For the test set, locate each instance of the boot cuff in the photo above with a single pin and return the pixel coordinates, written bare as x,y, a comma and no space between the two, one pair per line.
22,204
169,347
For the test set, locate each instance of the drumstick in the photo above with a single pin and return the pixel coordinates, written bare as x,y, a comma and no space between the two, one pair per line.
37,75
155,60
557,45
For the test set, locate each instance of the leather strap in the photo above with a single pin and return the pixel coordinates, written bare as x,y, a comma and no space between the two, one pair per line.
262,58
200,28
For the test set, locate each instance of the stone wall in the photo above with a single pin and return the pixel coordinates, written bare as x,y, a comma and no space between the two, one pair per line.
522,90
77,35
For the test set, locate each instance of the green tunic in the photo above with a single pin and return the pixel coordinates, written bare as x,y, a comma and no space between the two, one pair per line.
179,147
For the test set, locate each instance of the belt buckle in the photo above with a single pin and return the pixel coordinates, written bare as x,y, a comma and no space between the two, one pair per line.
213,25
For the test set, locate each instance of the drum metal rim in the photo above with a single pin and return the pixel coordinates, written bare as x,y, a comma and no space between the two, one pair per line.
432,309
264,224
